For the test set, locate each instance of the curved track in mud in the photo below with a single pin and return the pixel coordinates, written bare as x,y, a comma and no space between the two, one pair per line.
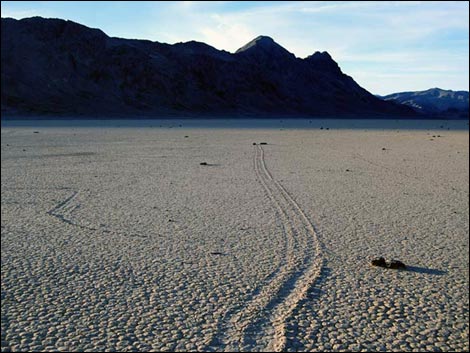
260,325
64,210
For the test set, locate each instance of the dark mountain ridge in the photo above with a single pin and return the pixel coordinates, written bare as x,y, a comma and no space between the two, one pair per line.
58,67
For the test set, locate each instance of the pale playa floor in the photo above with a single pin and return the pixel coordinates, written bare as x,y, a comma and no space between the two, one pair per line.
117,239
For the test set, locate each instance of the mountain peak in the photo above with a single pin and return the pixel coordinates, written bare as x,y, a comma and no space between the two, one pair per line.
260,41
323,61
265,45
320,57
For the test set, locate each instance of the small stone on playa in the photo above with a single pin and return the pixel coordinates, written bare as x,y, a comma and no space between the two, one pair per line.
378,261
395,264
203,163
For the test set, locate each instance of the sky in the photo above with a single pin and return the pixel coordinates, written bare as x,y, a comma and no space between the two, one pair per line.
386,46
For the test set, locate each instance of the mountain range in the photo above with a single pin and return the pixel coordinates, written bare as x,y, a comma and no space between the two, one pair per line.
434,102
62,68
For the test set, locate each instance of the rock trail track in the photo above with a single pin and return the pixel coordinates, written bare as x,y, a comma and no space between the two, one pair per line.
64,210
260,325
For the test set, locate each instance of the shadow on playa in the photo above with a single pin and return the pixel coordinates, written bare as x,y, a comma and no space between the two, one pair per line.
428,271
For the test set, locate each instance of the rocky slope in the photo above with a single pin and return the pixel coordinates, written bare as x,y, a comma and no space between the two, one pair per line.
52,66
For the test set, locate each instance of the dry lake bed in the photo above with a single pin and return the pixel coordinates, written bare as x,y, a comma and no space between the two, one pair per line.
114,237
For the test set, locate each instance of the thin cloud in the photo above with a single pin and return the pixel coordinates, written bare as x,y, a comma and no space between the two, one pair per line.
19,14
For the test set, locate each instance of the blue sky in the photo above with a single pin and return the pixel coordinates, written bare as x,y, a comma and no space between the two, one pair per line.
385,46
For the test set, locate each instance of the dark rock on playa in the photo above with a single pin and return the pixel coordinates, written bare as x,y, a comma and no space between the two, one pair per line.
393,264
379,261
203,163
397,265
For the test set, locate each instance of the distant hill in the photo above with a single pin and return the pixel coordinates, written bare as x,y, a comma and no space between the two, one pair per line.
434,102
52,66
